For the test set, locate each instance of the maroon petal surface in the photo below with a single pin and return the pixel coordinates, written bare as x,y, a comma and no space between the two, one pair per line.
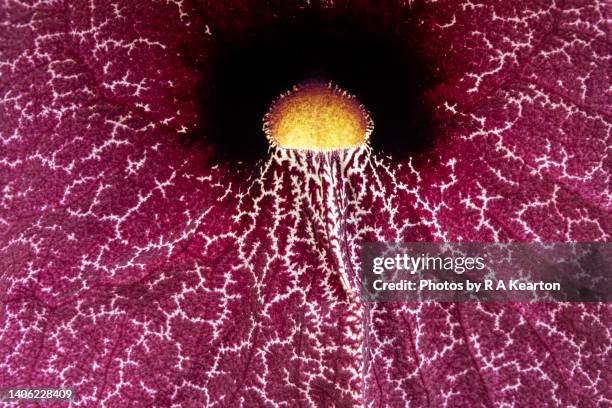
138,270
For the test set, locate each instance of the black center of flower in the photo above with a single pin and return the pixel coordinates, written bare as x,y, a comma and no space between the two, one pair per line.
247,64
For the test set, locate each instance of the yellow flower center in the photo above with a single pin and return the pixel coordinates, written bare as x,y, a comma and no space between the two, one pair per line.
317,116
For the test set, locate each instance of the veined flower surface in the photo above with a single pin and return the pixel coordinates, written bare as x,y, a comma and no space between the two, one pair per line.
137,270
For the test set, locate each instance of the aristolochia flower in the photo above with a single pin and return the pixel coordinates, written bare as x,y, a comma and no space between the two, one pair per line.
142,267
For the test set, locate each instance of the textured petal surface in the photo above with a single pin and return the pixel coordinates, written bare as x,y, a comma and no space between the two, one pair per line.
139,273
